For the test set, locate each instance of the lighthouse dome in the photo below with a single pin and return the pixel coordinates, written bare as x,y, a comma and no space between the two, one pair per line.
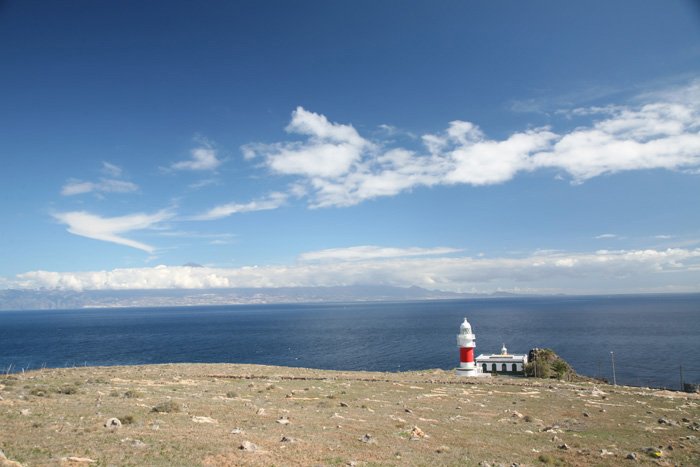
465,328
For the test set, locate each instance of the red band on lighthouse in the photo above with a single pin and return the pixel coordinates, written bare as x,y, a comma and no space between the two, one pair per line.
466,354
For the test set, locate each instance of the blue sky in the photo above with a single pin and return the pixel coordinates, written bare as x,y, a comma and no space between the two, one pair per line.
543,147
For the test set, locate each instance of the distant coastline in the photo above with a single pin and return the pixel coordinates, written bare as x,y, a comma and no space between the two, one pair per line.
14,299
62,299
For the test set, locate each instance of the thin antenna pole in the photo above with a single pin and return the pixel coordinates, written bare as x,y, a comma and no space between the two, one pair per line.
612,356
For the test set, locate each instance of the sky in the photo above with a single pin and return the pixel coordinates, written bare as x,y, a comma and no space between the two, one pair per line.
531,147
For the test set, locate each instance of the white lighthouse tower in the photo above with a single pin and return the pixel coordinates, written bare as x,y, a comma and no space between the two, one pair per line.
466,342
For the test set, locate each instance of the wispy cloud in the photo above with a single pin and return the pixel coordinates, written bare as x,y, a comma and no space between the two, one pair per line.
339,167
606,236
78,187
110,229
75,186
447,273
272,201
359,253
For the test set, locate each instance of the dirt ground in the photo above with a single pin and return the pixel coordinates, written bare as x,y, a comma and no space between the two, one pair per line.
248,415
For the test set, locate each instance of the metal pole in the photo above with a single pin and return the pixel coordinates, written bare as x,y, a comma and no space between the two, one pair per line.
681,377
612,356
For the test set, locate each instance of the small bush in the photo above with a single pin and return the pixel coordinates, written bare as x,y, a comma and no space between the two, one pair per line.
40,391
528,418
549,459
127,419
67,389
231,394
167,407
132,394
114,393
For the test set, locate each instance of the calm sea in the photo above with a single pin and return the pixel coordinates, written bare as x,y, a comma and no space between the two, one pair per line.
651,336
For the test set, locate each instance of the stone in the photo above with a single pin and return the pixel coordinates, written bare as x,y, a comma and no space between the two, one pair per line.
586,414
564,447
237,431
260,411
484,464
247,446
283,421
113,424
137,443
286,440
25,412
631,456
203,420
343,404
367,439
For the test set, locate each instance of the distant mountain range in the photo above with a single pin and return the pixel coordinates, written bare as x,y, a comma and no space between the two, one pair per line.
60,299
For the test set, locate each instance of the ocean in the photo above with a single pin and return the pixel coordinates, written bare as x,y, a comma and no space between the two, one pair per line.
652,338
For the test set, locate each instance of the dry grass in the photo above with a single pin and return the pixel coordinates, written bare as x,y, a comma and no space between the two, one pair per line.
50,416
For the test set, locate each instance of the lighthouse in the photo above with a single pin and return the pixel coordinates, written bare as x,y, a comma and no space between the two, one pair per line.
466,343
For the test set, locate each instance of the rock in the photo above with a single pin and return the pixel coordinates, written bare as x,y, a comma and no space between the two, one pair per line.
417,432
5,462
80,460
555,439
564,447
286,440
247,446
631,456
137,443
484,464
343,404
586,414
408,411
113,424
602,410
663,421
283,421
25,412
686,420
442,449
155,427
260,411
367,439
203,420
237,431
414,438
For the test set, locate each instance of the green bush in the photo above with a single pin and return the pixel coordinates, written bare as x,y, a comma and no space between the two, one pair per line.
132,394
167,406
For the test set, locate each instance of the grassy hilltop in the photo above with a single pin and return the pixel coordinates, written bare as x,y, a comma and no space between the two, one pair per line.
226,415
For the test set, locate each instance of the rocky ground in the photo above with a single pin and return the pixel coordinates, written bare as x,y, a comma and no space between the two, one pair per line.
226,415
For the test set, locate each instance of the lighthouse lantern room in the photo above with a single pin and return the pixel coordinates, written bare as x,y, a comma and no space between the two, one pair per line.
466,342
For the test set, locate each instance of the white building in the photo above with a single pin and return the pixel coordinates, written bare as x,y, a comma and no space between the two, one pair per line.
503,363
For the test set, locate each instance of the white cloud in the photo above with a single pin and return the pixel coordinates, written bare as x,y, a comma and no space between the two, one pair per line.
606,236
359,253
110,229
272,201
331,151
598,271
338,167
111,169
78,187
202,159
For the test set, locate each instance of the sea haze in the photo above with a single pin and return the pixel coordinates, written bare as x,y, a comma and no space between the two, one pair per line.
651,335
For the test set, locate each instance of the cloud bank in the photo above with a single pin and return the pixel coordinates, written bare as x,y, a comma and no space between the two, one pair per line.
448,273
338,167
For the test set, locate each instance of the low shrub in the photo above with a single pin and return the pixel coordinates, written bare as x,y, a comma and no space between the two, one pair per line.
167,407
